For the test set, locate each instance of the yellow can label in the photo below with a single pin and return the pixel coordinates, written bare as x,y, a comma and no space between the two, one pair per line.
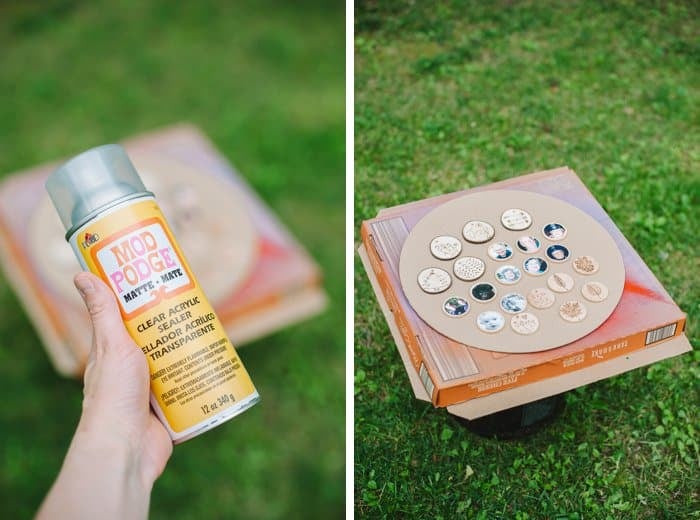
195,371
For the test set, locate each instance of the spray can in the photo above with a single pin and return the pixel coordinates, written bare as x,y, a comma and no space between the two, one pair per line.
118,232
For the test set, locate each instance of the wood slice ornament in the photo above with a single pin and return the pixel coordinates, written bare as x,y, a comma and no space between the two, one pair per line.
206,214
551,274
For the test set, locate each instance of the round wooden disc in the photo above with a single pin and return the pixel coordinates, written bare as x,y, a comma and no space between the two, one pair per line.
207,215
568,238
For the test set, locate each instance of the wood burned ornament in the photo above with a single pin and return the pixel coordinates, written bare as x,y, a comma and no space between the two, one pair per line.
477,232
573,311
445,247
594,291
468,268
585,265
560,282
525,323
434,280
516,219
541,298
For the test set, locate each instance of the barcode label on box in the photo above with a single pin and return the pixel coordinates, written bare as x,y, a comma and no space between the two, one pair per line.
661,333
425,378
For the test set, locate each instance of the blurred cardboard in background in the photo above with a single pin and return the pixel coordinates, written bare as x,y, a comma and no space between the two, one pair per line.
256,274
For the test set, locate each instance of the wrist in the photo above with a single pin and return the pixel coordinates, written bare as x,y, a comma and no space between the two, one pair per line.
110,445
105,466
112,453
100,478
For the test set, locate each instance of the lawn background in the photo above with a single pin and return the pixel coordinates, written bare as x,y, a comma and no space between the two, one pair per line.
451,95
265,81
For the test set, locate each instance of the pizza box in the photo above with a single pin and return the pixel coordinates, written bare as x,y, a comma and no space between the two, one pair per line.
644,325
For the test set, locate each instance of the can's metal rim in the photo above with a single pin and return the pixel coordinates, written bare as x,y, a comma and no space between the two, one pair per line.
105,207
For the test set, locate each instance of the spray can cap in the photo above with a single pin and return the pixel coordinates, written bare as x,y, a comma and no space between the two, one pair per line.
92,182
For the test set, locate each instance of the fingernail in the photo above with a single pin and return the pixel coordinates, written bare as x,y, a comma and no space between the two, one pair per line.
84,285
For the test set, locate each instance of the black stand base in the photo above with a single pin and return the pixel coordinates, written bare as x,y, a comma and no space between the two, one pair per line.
517,422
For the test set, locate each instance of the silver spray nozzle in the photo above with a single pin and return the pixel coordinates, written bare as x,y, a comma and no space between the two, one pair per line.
91,182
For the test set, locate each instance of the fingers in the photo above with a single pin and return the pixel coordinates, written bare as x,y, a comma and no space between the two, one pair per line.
102,306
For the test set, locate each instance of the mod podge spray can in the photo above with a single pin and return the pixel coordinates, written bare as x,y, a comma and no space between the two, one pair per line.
119,233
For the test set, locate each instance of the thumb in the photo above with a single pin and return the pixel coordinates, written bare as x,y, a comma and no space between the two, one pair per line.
116,372
102,306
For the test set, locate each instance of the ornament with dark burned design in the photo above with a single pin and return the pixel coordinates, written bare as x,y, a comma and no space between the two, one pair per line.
586,265
572,311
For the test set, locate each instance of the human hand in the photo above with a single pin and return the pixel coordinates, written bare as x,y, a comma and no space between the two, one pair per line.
119,448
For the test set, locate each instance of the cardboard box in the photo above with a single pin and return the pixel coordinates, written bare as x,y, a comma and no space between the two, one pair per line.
454,375
495,402
259,280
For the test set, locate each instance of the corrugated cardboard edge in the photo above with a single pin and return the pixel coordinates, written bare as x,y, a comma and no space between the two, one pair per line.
495,402
491,403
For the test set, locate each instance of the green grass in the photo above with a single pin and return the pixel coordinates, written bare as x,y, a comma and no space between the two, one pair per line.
451,95
265,81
